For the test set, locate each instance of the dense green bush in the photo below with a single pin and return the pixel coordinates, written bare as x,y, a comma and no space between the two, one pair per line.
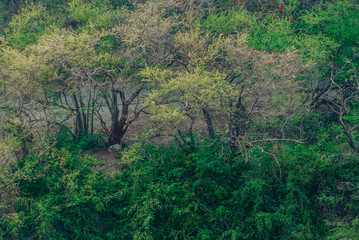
207,193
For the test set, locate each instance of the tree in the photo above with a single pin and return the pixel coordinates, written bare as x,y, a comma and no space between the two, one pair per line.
95,67
24,129
23,77
343,102
228,85
145,41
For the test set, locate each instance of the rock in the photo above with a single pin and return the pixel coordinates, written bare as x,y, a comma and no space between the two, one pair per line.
115,148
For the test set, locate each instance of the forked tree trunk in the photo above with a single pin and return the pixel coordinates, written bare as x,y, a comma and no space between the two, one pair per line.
119,126
120,120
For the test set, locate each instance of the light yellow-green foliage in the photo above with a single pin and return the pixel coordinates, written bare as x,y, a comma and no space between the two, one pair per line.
155,75
73,55
267,84
28,25
2,42
132,154
200,89
146,28
9,151
31,12
97,14
82,11
68,49
9,145
201,49
193,45
192,89
22,73
317,49
230,21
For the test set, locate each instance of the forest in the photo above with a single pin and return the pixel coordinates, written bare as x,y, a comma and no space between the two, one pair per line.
179,119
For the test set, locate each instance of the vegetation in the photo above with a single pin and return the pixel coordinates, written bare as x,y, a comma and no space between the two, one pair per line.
237,119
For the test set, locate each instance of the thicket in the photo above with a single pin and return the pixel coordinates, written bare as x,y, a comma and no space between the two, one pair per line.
248,112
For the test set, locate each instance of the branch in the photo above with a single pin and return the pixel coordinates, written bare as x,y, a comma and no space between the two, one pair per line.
277,140
275,158
135,94
46,150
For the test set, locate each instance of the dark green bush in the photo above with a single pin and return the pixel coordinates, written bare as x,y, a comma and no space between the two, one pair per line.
207,193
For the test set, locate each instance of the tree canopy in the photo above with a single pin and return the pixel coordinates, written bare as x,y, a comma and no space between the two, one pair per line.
232,119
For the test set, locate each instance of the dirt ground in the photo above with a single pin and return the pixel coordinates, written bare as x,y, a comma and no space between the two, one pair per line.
111,160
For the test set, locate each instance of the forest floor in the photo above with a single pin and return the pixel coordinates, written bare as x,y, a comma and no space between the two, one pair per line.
111,162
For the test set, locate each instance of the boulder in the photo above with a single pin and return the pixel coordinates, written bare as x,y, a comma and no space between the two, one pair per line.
115,148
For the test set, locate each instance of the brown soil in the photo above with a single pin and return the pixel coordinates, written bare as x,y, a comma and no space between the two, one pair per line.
110,160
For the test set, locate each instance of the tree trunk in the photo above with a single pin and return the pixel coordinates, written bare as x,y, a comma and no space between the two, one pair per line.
118,127
119,124
208,120
237,123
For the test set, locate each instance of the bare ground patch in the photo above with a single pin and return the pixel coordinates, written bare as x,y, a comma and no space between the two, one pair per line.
110,160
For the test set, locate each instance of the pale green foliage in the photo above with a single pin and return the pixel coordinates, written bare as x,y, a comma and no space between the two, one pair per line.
2,42
317,49
26,15
188,91
22,73
218,74
9,145
230,21
132,154
146,32
108,18
68,52
155,76
28,25
195,47
12,133
93,13
82,11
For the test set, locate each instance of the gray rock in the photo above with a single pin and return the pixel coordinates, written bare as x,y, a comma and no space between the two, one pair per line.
115,148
